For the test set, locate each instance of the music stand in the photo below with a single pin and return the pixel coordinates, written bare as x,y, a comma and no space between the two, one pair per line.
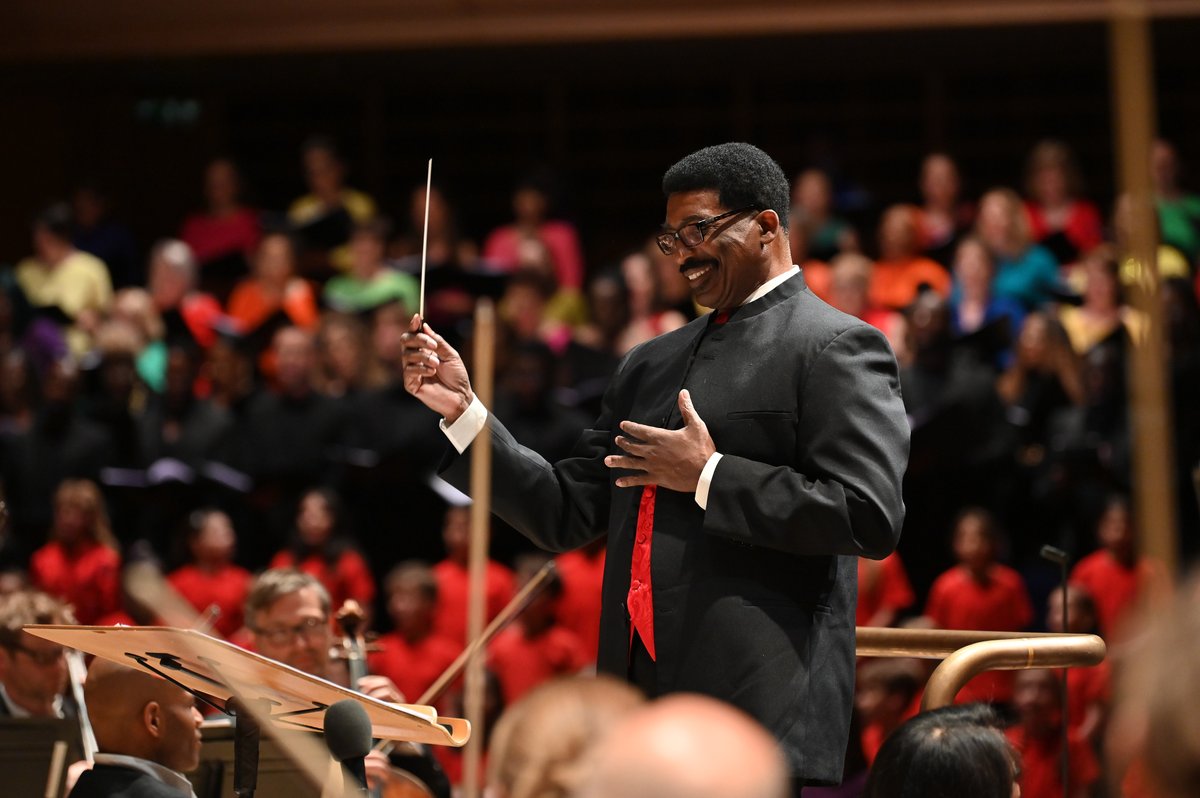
35,753
222,675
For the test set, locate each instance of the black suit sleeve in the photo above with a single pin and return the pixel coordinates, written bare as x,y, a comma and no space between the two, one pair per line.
559,507
843,493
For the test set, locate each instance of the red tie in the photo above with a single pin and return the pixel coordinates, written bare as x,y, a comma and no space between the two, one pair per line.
640,601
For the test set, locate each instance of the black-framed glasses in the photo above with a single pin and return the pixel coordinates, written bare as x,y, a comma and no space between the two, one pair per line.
692,234
308,629
42,659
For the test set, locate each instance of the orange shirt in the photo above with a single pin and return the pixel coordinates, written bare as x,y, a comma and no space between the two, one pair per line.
250,305
894,284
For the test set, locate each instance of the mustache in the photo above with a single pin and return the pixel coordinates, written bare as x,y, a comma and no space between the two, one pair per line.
696,263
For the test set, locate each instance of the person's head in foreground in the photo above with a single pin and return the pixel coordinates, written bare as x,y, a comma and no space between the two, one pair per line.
542,747
950,752
139,715
687,746
1154,734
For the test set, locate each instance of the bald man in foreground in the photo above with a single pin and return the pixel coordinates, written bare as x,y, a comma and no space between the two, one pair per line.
688,746
147,731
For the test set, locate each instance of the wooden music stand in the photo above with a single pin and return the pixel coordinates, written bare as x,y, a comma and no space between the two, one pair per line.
216,671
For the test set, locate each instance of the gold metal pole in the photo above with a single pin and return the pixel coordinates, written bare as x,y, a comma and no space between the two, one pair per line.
1052,651
878,641
1150,412
481,514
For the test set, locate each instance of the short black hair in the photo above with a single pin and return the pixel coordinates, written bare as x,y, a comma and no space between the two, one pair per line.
952,751
58,220
742,174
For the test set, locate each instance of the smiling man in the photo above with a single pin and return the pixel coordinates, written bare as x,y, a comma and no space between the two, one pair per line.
739,466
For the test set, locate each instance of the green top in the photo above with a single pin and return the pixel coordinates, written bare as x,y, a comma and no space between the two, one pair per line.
348,294
1180,221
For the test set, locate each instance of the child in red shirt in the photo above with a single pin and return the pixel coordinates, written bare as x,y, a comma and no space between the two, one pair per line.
211,579
318,548
535,648
1114,576
883,591
1088,689
81,564
453,583
582,574
1038,739
979,593
884,699
413,655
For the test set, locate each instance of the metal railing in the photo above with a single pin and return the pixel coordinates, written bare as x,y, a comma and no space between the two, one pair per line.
966,654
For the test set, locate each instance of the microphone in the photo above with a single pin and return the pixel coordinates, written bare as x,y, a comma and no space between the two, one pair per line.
348,735
1054,555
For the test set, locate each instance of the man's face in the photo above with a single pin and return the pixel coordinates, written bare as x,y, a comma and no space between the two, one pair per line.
181,731
35,673
295,631
726,266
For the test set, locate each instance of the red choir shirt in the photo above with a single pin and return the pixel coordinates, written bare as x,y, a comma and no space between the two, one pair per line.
226,587
212,237
522,663
1084,228
88,577
1114,588
201,312
882,583
958,601
450,619
348,578
579,604
1086,687
1041,766
412,666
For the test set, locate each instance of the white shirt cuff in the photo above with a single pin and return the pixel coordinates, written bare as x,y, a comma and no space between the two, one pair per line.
467,426
706,475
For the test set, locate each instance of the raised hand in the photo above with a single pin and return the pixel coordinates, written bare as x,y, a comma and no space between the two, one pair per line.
434,372
672,459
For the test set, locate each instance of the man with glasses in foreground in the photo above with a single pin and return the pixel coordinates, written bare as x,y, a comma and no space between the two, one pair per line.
739,466
33,671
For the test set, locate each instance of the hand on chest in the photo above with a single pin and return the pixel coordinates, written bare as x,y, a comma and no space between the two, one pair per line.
746,392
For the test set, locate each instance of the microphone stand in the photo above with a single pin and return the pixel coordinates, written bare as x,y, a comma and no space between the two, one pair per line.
1059,557
246,738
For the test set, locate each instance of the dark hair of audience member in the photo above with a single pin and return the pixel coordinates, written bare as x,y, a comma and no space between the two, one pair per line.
58,220
950,752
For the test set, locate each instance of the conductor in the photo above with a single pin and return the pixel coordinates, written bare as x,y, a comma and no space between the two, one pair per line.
739,465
